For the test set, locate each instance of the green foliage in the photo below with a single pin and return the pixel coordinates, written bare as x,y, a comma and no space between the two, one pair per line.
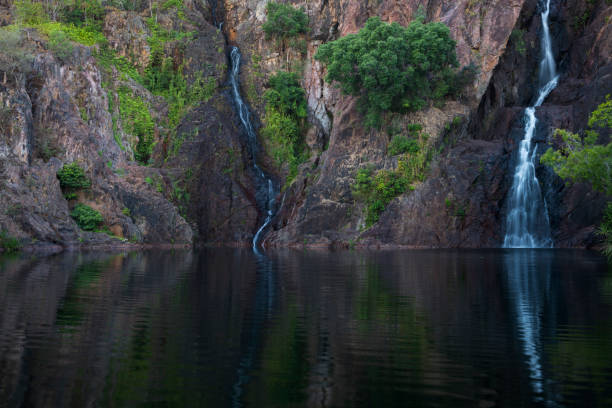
107,58
88,14
392,68
378,189
27,12
401,144
285,95
73,176
8,243
580,159
137,121
605,230
86,217
284,21
285,121
126,211
60,45
81,35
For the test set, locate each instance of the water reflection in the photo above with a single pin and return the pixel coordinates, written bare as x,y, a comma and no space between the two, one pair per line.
529,279
261,312
231,328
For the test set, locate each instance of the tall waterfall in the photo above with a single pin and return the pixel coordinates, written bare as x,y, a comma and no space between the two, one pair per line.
527,223
265,187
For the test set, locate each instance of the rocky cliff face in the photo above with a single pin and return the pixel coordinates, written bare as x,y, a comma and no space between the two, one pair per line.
199,187
461,204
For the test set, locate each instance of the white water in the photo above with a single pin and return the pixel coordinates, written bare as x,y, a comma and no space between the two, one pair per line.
527,223
267,186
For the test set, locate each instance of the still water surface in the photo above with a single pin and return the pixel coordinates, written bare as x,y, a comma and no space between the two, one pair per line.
229,328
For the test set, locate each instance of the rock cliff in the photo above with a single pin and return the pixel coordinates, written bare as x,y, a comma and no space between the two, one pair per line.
198,186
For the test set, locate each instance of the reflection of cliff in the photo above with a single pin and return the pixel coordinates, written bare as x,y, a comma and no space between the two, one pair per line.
306,329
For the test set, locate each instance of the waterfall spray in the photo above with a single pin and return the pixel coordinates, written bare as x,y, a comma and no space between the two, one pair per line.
527,223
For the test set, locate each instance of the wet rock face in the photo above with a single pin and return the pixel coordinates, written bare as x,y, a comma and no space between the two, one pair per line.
222,203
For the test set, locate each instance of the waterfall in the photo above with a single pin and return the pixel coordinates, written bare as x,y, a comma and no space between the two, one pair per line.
265,187
527,223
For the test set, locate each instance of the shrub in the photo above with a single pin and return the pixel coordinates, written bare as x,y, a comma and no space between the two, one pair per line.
284,21
286,95
28,12
392,68
73,176
378,189
284,121
581,159
8,243
60,45
86,217
401,144
137,121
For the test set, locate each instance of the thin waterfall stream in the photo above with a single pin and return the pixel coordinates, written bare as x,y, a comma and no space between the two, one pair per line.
527,222
265,187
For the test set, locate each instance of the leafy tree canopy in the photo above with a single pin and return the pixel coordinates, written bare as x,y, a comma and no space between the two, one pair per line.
286,95
284,21
580,158
393,68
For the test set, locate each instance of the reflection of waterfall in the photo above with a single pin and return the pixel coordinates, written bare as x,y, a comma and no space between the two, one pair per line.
529,284
265,298
527,223
265,190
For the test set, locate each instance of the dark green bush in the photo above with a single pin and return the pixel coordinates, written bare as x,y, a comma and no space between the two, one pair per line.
73,176
60,45
401,144
285,95
285,120
86,217
393,68
9,244
284,21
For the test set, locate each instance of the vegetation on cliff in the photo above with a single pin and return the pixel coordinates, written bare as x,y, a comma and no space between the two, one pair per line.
377,189
285,120
581,159
86,217
285,23
395,68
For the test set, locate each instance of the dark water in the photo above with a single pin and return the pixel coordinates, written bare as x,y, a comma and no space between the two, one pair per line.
224,328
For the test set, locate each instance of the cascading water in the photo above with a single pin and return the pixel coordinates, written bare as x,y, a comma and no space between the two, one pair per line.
265,187
527,223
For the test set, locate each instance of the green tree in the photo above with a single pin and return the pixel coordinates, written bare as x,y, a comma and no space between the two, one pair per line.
393,68
60,44
581,159
285,119
73,176
285,95
86,217
284,22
